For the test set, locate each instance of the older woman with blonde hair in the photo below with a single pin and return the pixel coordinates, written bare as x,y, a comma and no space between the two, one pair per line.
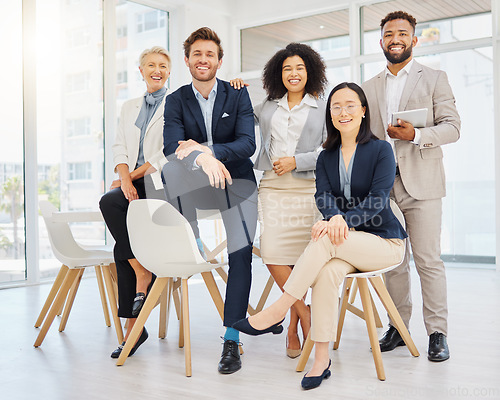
138,160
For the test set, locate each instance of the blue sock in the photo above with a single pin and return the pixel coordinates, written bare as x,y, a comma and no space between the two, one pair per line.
232,334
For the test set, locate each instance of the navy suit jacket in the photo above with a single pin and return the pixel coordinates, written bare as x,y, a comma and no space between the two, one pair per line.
233,131
372,178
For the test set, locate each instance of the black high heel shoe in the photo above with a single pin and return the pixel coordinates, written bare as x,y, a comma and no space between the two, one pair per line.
311,382
140,299
144,335
244,326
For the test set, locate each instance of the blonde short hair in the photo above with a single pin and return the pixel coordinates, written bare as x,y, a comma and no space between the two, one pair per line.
157,50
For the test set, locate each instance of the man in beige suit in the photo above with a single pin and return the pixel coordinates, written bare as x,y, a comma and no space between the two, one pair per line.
420,180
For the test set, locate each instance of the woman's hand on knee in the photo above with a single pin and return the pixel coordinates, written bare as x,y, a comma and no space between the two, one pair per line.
337,229
319,230
129,190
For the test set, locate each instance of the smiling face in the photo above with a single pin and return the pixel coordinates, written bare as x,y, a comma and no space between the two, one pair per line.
294,74
351,111
155,71
203,61
397,41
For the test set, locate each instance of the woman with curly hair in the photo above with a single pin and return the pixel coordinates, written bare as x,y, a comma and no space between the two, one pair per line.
292,127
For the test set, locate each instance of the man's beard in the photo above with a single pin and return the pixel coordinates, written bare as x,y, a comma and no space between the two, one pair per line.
399,58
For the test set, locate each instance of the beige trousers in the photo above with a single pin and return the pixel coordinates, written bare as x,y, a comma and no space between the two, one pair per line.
423,224
323,267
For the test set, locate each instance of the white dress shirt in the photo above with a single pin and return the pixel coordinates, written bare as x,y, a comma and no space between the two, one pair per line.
287,125
394,87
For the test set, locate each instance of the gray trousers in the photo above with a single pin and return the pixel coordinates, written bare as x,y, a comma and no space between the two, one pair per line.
423,225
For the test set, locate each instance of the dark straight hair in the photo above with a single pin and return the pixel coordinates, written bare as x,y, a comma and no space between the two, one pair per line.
333,135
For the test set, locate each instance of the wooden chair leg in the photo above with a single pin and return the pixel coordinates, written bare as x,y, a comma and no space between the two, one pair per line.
102,293
164,310
176,298
344,300
214,292
52,294
181,323
222,273
148,306
60,298
71,299
108,280
263,297
364,292
378,322
354,291
185,325
114,278
305,354
386,299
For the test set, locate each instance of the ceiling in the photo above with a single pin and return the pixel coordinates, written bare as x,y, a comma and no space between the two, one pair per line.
336,23
260,42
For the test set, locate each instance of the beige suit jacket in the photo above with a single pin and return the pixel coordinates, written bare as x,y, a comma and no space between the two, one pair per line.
126,146
421,166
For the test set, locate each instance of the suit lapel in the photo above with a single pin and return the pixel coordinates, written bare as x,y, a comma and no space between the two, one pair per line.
381,97
157,115
195,109
220,100
411,82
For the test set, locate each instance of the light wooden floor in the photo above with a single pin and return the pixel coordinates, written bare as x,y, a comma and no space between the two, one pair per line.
76,365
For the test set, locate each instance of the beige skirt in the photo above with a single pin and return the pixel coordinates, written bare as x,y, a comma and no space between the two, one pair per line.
287,211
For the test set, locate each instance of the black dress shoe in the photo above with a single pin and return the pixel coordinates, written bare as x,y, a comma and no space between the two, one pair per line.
438,347
244,326
391,340
144,335
140,298
311,382
230,361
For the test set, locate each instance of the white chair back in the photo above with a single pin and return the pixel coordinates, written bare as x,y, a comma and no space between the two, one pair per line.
162,239
64,245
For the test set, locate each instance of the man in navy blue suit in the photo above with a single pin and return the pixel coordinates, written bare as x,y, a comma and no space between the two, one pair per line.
208,139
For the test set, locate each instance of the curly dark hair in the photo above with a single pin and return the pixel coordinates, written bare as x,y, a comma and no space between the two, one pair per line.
204,33
333,135
399,15
315,67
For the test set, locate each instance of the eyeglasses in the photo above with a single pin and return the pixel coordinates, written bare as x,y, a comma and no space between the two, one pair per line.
350,109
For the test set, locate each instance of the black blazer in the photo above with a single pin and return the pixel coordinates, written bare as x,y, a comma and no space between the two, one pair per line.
373,174
233,130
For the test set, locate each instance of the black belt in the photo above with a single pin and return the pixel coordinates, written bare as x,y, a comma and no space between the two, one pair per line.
397,170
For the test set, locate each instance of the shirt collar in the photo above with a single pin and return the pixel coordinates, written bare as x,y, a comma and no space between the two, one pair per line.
198,95
405,69
307,99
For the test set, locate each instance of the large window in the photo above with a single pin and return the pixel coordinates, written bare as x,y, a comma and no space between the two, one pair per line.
12,238
70,114
465,236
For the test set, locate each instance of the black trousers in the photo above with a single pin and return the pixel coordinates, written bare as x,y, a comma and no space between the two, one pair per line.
114,207
190,190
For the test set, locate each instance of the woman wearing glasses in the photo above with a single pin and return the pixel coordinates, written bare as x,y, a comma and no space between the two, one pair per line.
292,131
354,176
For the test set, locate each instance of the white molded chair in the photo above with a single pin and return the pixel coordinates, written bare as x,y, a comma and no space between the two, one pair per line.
163,242
74,258
362,278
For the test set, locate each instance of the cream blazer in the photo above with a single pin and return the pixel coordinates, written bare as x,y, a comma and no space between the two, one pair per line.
126,147
421,167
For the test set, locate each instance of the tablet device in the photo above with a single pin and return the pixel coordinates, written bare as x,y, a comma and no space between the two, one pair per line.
415,117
